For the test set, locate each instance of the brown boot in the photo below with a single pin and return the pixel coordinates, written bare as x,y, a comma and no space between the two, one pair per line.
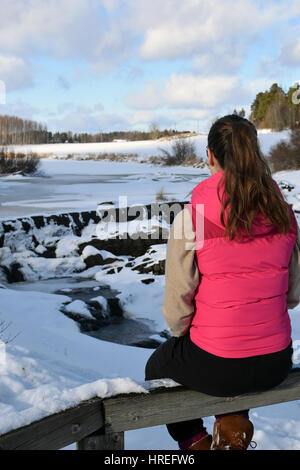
203,444
232,432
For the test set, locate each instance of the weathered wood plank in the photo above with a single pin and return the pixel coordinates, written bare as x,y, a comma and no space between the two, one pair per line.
58,430
134,411
179,404
102,441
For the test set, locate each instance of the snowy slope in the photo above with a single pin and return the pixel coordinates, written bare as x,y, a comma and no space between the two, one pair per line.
142,148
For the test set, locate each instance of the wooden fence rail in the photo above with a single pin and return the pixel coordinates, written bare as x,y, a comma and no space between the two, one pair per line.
99,424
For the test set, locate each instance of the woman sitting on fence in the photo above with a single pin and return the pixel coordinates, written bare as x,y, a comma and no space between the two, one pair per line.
227,291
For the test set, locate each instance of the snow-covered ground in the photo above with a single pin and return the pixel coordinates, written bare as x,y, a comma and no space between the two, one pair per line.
143,149
47,364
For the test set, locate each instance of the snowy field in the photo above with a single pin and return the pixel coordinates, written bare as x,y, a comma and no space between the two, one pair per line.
48,365
143,149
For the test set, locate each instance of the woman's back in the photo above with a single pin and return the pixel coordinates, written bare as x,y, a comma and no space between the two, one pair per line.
240,302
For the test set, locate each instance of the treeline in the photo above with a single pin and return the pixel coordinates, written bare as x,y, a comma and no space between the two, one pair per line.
17,131
83,138
276,109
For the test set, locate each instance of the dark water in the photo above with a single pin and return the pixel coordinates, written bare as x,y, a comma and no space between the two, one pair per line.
116,328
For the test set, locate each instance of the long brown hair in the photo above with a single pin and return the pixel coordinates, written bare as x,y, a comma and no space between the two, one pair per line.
248,185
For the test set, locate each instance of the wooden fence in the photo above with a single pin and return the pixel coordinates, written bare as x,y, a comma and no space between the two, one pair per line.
99,424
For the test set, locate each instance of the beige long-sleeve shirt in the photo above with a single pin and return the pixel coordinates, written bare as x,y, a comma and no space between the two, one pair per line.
183,277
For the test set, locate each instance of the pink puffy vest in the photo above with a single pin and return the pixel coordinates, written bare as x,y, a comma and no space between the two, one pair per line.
240,303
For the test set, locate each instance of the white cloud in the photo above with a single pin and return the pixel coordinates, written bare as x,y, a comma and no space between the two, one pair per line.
64,29
194,27
189,98
55,27
15,72
110,29
212,34
184,91
194,90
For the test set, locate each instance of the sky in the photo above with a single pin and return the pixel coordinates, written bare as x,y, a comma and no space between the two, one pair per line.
105,65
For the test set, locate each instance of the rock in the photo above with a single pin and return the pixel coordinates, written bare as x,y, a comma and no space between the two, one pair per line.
128,246
286,185
115,307
26,226
111,271
93,260
86,324
13,273
48,252
90,314
39,221
110,260
35,241
106,203
147,281
8,227
157,268
91,257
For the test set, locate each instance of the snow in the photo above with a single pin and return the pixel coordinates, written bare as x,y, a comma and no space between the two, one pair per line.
133,295
89,251
50,366
70,185
67,246
47,364
143,149
78,306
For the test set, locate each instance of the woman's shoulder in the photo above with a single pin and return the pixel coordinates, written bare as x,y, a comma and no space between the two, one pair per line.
207,184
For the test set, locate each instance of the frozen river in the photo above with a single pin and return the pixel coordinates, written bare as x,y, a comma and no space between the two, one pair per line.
69,185
81,185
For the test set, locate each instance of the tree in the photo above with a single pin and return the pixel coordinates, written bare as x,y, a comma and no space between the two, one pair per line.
181,149
17,131
154,130
285,155
270,109
241,113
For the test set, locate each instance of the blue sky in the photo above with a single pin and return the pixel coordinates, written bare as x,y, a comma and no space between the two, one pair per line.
101,65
